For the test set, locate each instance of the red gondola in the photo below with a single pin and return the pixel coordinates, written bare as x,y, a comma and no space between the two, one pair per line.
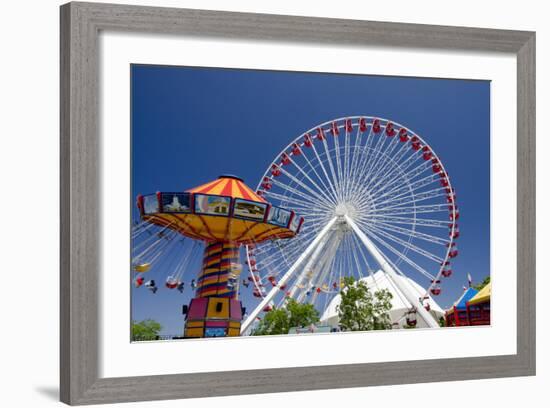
282,287
266,184
320,134
454,234
271,278
436,168
285,159
403,136
362,125
376,128
268,308
390,131
427,155
296,149
334,129
275,170
256,293
318,290
453,215
435,290
446,273
307,140
444,182
427,307
349,125
411,322
416,146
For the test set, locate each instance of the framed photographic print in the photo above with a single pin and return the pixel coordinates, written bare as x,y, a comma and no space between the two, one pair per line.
270,202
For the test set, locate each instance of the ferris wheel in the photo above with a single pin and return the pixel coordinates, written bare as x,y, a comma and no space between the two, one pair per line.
374,196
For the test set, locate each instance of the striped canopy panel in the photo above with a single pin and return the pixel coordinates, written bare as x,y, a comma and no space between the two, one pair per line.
217,268
228,186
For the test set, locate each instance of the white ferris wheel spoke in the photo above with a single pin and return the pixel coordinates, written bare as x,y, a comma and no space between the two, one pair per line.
319,193
313,195
326,189
399,254
405,244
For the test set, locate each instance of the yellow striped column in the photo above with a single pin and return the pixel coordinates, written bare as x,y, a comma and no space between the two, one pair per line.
215,311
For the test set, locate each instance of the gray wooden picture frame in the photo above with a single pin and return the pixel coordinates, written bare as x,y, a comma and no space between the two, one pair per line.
80,234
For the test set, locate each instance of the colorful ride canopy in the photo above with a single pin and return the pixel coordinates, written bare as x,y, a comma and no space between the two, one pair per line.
483,296
468,294
225,209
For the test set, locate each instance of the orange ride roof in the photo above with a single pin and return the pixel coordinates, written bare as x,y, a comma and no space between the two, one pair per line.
227,185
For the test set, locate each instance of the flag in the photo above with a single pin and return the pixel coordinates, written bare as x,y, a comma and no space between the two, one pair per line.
469,280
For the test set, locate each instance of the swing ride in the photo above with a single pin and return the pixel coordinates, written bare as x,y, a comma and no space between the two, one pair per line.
376,199
224,214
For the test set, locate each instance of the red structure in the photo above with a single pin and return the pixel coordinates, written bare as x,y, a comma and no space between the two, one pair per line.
472,309
457,315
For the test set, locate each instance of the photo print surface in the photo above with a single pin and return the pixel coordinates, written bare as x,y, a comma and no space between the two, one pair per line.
295,203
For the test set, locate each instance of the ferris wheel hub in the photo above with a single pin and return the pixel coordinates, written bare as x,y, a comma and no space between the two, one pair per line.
345,208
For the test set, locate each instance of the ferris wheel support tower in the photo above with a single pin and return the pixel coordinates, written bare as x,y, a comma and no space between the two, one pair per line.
413,299
316,247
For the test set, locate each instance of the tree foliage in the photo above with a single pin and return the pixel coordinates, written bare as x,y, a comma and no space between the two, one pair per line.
481,285
145,330
280,320
359,309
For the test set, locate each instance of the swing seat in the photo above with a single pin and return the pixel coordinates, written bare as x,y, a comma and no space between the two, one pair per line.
139,281
171,282
144,267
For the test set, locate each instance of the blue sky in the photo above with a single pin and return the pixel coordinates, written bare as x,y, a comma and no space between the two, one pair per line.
189,125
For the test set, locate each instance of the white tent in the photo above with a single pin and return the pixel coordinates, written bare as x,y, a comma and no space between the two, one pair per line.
400,305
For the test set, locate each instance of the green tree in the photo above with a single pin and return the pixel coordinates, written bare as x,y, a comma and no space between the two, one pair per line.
359,309
481,285
301,315
145,330
280,320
